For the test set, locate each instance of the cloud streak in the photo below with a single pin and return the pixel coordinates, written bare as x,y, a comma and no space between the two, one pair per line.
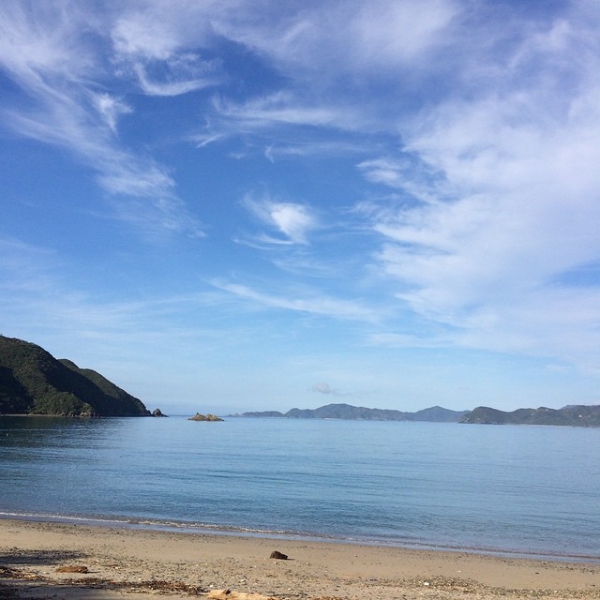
495,184
472,127
45,51
292,221
308,304
512,206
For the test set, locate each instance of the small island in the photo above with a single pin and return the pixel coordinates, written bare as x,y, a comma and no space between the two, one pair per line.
208,417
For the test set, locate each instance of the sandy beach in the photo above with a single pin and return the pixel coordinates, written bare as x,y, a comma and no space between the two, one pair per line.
103,563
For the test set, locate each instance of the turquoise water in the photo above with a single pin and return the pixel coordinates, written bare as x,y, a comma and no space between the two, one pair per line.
504,489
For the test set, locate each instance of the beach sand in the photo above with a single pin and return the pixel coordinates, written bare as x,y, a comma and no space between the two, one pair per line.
134,564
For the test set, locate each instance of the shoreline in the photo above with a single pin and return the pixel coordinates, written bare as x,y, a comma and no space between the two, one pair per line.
133,562
131,523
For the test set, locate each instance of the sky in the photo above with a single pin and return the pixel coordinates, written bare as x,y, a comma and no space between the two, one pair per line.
241,205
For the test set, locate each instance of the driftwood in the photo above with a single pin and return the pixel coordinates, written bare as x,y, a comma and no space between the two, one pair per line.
72,569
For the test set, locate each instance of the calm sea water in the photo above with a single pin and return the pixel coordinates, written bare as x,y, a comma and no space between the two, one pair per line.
503,489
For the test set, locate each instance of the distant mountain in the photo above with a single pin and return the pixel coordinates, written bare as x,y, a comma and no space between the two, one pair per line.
572,415
356,413
437,414
346,411
32,381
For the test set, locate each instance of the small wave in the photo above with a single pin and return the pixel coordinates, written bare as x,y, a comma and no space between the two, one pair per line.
228,530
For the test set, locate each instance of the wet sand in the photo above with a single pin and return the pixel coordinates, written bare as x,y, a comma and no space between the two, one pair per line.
137,563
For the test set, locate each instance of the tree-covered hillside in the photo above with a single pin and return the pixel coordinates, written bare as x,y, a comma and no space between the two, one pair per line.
32,381
360,413
573,415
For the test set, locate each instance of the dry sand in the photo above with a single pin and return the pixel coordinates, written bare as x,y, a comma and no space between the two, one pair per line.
135,564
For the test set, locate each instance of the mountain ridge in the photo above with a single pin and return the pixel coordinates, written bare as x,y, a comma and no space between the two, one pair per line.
33,382
360,413
574,415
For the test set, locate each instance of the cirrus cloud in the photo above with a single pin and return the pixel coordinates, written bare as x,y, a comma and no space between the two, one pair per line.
292,221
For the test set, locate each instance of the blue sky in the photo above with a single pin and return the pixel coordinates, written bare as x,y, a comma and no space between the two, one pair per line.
260,205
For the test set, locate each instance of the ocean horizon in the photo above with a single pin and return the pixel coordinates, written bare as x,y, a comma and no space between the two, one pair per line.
508,490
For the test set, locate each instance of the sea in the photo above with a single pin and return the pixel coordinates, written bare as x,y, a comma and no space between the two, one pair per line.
505,490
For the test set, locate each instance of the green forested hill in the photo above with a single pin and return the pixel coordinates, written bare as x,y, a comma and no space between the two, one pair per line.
572,415
360,413
32,381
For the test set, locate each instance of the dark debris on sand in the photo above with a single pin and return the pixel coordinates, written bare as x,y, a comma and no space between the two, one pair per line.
7,592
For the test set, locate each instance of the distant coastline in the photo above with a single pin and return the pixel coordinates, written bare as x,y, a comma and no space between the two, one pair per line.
577,415
34,383
359,413
570,416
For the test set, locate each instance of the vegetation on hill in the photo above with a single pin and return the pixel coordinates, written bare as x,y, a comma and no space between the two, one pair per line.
574,416
349,412
32,381
577,415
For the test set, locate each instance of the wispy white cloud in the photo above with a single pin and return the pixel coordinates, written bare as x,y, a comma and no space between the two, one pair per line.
491,127
184,75
418,180
24,270
46,52
171,88
159,30
510,204
315,149
334,60
39,295
37,43
338,51
284,139
290,220
110,108
310,304
283,108
373,35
